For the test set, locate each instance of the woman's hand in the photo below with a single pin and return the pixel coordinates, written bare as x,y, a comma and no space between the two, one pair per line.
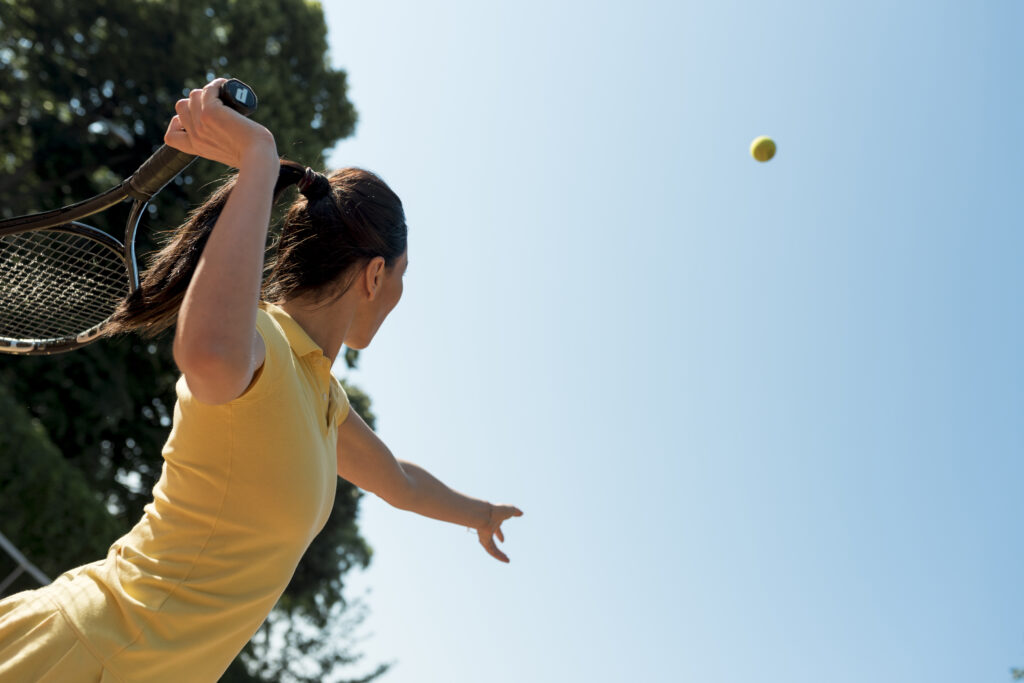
486,533
206,127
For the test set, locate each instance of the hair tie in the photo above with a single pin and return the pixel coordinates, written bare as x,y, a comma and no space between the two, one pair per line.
314,185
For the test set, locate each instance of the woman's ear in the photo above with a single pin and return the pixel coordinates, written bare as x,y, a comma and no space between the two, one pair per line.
374,276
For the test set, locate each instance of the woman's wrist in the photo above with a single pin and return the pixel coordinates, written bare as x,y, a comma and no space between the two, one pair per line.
488,512
262,153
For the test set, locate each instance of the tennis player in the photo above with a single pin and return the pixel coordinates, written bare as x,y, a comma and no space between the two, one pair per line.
261,426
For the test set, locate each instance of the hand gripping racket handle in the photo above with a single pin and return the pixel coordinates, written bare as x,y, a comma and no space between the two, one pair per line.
167,162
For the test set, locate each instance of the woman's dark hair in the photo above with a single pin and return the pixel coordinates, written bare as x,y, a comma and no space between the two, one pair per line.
338,222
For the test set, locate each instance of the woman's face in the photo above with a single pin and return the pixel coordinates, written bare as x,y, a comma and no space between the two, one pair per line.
373,312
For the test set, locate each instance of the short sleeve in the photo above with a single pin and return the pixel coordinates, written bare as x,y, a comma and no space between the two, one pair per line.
341,404
277,355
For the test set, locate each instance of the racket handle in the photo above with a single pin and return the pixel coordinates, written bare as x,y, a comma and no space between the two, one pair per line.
157,171
167,162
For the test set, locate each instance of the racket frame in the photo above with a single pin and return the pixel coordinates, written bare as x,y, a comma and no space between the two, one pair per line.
63,220
152,176
42,347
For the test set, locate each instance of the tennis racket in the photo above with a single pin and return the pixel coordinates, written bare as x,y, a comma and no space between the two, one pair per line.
61,280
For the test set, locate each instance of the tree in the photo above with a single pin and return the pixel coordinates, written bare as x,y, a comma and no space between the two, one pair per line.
42,497
86,91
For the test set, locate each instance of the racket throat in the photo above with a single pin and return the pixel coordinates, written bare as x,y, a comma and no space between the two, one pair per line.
138,208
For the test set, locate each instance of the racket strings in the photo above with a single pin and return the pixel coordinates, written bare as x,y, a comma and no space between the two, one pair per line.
56,285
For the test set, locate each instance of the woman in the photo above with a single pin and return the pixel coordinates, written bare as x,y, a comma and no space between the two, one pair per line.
261,427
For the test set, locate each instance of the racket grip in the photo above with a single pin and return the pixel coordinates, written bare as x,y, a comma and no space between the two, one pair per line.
157,171
167,162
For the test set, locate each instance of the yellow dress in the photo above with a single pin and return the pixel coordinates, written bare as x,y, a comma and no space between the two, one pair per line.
244,489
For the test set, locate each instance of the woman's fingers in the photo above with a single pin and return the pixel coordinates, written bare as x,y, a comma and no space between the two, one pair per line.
487,541
176,136
210,129
191,131
499,513
493,550
210,94
184,115
506,511
195,108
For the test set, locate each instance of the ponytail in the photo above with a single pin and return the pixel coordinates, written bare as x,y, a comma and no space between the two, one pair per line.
153,307
338,223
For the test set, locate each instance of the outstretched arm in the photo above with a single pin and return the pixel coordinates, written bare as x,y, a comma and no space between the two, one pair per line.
366,461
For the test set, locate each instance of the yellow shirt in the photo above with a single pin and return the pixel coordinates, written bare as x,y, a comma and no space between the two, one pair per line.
245,487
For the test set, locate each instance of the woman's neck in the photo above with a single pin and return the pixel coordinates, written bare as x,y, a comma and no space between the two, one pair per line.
326,325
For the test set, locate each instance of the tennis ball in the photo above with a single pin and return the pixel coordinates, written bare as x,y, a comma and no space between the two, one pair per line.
763,148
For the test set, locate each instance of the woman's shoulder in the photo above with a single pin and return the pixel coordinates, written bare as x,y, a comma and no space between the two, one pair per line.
277,355
269,328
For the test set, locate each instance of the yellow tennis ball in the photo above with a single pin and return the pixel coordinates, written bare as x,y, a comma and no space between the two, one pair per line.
763,148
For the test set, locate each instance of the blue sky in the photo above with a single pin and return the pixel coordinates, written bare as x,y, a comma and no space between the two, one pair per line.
763,419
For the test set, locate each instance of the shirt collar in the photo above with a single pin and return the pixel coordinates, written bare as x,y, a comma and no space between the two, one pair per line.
300,342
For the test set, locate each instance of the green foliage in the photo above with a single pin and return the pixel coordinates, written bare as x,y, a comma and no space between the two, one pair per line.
42,497
86,92
107,407
301,638
90,88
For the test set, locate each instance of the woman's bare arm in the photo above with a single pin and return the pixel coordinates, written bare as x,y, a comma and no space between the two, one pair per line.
367,462
364,460
215,344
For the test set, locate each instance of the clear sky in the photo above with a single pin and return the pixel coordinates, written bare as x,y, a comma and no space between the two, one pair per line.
764,419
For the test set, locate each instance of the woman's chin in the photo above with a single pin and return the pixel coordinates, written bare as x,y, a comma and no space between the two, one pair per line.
358,343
